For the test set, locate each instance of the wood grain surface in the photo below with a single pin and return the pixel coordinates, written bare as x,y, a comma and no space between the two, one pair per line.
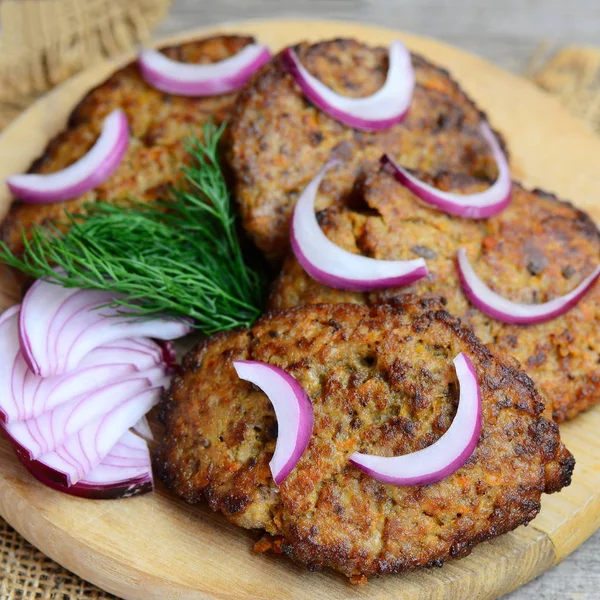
157,547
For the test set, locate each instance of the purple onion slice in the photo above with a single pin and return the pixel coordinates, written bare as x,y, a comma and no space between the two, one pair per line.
501,309
51,429
126,471
335,267
12,373
293,410
84,451
30,395
445,456
211,79
72,431
386,107
472,206
59,326
88,172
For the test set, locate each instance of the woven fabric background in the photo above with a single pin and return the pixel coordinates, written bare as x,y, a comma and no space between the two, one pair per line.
574,75
26,574
42,42
73,33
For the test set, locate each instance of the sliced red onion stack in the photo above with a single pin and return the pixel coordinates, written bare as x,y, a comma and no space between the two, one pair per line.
386,107
501,309
125,471
473,206
443,457
72,429
33,395
59,326
88,172
335,267
82,452
50,430
293,410
187,79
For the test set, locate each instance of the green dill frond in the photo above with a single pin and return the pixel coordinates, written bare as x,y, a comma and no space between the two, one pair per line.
179,256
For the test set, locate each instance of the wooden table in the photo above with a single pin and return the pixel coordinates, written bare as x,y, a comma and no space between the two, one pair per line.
506,32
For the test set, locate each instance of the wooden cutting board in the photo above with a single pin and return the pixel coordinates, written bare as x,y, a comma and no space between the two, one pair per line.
156,547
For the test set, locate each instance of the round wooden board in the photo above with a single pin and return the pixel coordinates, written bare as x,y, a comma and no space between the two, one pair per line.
156,547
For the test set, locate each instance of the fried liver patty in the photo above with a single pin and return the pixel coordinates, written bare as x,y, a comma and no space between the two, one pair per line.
279,140
159,122
535,250
381,380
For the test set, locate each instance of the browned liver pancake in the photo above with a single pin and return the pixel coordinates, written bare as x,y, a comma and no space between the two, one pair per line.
535,250
279,140
381,380
159,122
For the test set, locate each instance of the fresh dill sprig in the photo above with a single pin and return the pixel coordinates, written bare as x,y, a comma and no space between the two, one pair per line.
181,256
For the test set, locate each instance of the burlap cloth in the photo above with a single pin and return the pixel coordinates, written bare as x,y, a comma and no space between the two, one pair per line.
52,39
42,42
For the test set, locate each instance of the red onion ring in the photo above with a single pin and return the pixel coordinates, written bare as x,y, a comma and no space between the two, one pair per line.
472,206
386,107
125,472
88,172
293,410
84,451
58,327
102,366
51,429
448,454
209,79
501,309
335,267
11,373
35,395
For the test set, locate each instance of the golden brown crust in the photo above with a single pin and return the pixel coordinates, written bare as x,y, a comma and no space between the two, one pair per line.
279,141
159,122
381,380
535,250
